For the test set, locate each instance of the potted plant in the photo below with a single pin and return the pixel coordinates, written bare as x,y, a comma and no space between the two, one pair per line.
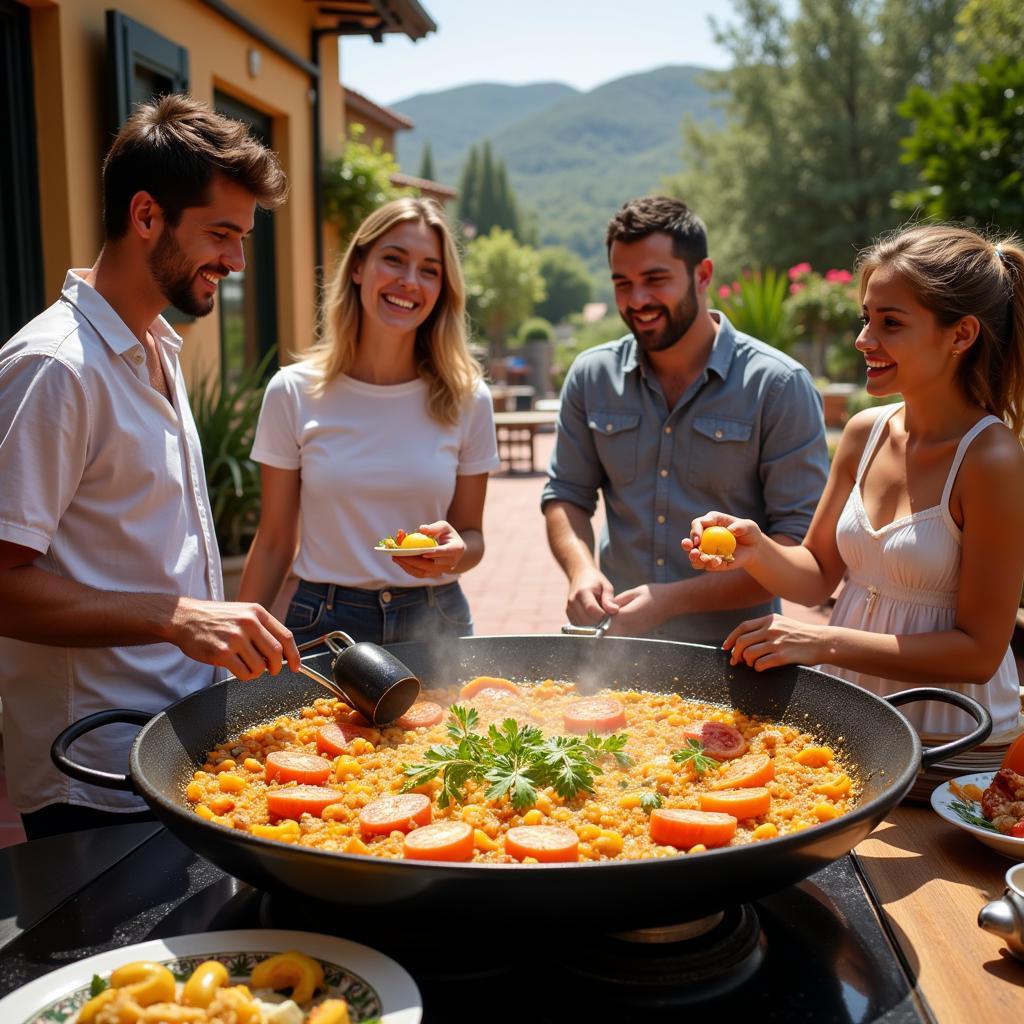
226,422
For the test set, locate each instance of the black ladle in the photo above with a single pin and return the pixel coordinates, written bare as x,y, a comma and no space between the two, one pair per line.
366,677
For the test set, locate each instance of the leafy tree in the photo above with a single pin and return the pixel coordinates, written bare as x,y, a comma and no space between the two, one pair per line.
968,147
566,281
535,329
427,164
503,285
985,31
809,157
357,182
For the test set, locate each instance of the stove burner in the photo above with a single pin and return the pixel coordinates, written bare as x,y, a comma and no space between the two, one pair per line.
672,932
676,965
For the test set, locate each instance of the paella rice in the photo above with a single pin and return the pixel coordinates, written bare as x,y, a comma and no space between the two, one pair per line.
324,778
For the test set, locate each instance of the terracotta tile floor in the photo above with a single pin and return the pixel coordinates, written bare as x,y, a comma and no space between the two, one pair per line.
517,588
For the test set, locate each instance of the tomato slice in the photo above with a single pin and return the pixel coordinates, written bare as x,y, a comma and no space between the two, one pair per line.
683,829
397,813
594,714
294,801
335,737
422,715
492,686
750,770
444,840
1014,757
545,843
296,766
721,741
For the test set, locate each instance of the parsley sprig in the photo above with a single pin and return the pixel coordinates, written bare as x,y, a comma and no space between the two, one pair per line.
966,811
693,753
514,760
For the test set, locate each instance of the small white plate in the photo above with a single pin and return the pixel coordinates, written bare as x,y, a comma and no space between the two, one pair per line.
404,552
944,799
374,985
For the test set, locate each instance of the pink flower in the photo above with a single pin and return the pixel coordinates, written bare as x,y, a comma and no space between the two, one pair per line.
795,289
839,276
798,270
724,292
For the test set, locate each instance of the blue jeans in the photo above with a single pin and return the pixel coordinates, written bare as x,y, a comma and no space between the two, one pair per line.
387,616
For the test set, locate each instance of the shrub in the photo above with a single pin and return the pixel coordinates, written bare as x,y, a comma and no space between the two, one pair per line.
756,305
535,329
824,311
226,422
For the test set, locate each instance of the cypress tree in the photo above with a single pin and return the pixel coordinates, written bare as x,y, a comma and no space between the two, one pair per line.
487,201
427,164
469,189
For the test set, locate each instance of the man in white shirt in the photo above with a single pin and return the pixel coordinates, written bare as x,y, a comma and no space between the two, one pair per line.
110,578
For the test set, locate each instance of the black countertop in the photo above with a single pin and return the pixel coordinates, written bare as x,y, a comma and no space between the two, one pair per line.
822,954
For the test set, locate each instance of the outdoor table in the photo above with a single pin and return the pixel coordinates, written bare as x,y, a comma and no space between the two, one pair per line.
516,432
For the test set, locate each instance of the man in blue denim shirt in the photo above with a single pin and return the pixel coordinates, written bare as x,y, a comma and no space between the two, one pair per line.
683,416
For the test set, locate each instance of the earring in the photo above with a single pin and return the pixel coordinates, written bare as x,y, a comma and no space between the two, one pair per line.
956,352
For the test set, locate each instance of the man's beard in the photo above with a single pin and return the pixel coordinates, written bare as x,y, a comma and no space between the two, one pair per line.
175,276
677,322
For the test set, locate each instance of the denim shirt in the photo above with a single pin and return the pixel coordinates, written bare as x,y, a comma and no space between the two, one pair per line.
747,438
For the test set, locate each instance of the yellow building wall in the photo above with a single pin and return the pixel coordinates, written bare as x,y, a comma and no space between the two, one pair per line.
70,54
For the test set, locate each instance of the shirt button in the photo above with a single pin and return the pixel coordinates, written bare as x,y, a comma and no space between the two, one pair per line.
386,596
661,519
718,435
609,427
138,358
668,430
664,472
660,561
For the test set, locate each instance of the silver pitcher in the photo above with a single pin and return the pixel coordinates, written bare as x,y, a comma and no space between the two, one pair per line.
1005,916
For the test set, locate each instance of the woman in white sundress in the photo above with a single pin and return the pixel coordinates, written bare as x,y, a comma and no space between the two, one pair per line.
924,507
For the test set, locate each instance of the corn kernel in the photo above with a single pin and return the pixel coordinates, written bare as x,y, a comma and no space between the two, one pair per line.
765,831
231,783
252,764
826,812
204,812
533,817
194,792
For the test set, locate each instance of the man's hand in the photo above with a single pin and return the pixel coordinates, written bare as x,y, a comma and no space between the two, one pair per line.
641,609
243,638
591,597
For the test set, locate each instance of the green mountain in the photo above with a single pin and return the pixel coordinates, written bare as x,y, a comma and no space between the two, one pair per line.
574,159
452,120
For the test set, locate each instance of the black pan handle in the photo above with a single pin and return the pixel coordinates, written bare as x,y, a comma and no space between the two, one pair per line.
931,755
93,776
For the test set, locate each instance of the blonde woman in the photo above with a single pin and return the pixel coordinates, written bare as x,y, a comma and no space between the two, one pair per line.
924,499
385,425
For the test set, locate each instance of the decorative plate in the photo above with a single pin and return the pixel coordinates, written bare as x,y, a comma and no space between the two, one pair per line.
376,988
405,552
966,814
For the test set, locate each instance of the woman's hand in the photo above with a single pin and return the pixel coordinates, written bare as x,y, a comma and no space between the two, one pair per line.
437,561
775,640
746,532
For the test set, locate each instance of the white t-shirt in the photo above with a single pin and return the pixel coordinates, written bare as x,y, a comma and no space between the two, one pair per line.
104,478
371,461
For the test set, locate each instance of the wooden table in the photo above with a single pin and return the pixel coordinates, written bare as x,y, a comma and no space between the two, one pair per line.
516,431
931,879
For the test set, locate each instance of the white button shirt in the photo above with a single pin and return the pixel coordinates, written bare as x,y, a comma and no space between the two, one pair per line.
103,477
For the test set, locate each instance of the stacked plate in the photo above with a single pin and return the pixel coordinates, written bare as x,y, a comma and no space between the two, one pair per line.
986,757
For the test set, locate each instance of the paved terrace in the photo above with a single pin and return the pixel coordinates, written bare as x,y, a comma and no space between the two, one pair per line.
517,589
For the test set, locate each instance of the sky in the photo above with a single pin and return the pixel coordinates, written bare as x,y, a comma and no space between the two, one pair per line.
583,43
